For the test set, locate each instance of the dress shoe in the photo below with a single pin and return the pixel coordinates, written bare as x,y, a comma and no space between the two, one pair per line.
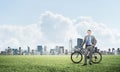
84,64
90,63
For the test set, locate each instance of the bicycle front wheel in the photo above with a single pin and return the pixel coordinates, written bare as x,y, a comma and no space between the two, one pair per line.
96,57
76,57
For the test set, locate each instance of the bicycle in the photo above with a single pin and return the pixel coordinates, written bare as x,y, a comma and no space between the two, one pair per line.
77,56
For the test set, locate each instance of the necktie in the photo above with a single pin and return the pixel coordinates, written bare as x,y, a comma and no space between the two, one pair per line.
89,40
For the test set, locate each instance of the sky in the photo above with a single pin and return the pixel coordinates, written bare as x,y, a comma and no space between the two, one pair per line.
32,22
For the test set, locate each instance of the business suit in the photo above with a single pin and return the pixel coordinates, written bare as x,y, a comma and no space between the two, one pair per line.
89,48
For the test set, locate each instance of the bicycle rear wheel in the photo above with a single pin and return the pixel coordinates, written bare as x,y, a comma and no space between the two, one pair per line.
96,57
76,57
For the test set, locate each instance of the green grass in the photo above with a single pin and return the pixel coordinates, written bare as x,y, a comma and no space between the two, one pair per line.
110,63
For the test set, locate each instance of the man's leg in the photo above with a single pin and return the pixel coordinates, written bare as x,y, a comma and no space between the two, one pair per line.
85,56
90,55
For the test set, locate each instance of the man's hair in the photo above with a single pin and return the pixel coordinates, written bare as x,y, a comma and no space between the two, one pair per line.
89,30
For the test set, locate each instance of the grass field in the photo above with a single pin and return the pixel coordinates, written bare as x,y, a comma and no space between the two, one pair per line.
110,63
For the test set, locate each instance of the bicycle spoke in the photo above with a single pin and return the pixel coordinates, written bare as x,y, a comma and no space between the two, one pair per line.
96,57
76,57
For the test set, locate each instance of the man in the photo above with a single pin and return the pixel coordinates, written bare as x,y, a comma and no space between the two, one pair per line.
90,42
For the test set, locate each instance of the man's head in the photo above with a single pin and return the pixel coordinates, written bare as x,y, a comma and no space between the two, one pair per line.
89,32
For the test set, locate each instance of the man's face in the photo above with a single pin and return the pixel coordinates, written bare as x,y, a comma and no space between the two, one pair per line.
89,32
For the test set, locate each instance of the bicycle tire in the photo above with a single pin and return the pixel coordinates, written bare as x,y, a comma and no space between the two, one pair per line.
81,57
100,59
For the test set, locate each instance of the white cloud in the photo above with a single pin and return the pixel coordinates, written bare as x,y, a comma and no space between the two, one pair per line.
15,36
107,37
56,29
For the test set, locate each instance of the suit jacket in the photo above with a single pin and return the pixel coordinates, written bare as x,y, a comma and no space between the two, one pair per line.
93,40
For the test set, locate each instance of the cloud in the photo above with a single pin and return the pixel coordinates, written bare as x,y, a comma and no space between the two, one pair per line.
19,36
55,29
54,26
107,37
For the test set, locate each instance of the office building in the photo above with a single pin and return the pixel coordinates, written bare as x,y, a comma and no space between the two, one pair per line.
52,51
28,50
40,49
20,51
70,45
79,42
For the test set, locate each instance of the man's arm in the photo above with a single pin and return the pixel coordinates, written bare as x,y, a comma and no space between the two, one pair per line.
94,41
83,41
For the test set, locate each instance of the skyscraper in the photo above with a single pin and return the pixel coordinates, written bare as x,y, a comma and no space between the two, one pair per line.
52,51
40,49
79,42
28,50
32,51
9,52
45,50
59,50
20,51
70,45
